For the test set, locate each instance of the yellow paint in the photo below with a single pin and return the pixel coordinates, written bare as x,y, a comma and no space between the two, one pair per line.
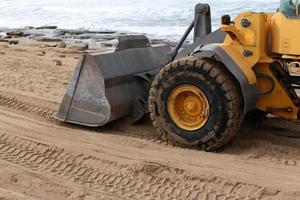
279,98
285,34
188,107
246,64
252,38
270,37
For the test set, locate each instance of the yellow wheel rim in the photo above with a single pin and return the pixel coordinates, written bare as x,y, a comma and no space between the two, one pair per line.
188,107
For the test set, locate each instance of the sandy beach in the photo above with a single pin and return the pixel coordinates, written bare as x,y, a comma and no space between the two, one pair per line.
41,158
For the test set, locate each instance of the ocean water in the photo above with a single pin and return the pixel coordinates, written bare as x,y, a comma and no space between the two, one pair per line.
164,19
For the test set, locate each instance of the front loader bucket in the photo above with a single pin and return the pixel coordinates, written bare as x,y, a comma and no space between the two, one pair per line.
110,86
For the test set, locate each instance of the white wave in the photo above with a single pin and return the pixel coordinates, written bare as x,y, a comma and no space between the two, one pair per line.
159,18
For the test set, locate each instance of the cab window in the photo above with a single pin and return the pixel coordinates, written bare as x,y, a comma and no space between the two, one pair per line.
290,8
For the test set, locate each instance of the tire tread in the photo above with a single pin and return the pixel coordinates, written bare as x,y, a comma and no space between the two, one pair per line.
231,92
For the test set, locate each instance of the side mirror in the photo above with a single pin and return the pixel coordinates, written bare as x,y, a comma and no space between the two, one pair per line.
225,20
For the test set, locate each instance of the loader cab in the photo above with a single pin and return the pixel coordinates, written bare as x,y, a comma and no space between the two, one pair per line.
291,8
285,26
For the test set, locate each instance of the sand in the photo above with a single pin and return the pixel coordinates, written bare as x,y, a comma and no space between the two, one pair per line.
41,158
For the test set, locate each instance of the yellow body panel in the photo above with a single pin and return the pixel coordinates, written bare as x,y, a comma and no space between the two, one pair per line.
256,39
285,34
251,39
235,52
278,99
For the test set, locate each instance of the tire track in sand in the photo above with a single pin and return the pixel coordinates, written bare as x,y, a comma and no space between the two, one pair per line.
39,107
145,180
47,111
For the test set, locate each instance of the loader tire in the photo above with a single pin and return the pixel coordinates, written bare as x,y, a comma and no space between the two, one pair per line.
210,81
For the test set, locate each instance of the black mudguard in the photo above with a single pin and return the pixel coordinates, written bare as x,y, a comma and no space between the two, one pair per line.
249,91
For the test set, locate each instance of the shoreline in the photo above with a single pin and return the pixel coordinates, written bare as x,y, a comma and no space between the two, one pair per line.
54,34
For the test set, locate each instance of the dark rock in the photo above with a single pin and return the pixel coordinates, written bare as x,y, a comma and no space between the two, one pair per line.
82,47
15,33
61,32
43,32
101,32
26,35
122,33
73,32
42,53
58,62
38,33
86,36
102,37
4,40
80,37
14,179
62,45
13,42
36,36
46,27
2,53
47,39
83,31
28,27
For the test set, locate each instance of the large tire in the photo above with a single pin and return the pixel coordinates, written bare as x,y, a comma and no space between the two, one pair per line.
221,90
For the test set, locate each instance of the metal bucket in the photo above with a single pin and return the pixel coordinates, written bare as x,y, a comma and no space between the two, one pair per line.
110,86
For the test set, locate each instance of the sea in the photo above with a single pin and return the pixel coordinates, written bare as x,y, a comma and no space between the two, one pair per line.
160,19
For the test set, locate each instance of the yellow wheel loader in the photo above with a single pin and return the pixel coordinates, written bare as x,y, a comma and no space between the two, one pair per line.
197,95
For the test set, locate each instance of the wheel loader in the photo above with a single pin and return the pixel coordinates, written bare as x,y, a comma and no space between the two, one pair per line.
198,94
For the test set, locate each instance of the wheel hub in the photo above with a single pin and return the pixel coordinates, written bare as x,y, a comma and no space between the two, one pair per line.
188,107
